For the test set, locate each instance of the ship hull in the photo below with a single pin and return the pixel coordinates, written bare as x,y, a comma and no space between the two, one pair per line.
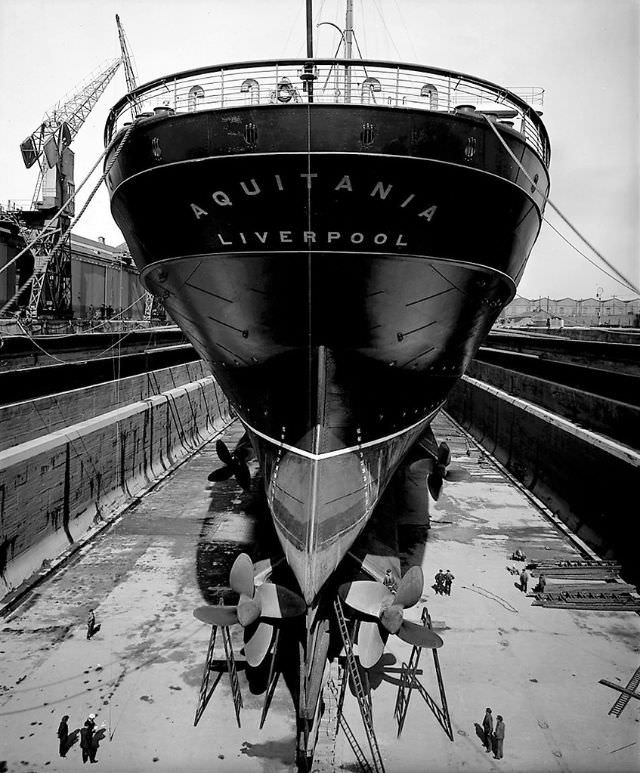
336,296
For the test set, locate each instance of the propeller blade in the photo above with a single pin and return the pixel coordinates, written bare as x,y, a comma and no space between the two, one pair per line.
222,473
444,454
216,615
243,476
278,602
410,588
366,596
224,454
257,640
434,484
248,611
419,635
370,643
241,576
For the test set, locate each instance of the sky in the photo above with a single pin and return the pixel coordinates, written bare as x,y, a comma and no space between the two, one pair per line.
584,53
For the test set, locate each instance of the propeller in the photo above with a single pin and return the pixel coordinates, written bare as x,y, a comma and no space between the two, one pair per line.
256,602
373,599
234,463
437,475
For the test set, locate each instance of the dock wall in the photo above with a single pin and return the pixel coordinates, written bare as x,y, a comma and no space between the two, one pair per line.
584,478
57,488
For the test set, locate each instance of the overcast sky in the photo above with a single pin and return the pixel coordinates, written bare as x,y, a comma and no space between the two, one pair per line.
584,53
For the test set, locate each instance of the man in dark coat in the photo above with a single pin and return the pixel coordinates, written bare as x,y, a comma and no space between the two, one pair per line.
448,579
487,728
499,736
63,735
91,623
86,740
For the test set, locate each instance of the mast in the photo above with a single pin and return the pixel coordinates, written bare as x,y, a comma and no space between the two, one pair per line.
309,31
348,49
308,75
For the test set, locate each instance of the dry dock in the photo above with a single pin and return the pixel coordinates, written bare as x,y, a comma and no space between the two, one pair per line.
537,667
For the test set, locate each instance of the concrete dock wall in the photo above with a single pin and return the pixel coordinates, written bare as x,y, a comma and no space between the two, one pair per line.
57,487
23,421
591,482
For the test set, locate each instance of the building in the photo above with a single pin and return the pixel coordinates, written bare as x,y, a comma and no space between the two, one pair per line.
585,312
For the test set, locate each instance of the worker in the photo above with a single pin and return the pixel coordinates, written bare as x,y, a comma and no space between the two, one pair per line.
487,729
542,581
63,735
499,737
389,582
91,623
439,578
448,579
524,579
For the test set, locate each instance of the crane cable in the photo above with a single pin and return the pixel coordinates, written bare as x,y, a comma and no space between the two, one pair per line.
75,219
620,277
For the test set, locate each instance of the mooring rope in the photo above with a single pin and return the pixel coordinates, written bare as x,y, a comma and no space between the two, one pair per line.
621,278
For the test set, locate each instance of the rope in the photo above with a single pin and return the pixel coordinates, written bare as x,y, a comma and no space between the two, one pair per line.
58,247
622,279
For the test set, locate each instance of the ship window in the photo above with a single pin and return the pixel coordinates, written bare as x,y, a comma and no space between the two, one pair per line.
370,86
252,87
195,93
430,91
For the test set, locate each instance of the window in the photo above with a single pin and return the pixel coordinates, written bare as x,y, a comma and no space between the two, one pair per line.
430,91
195,93
252,87
370,86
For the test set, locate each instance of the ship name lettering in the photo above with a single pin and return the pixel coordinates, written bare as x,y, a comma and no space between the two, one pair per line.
311,237
198,211
256,187
308,175
381,190
344,183
429,213
221,198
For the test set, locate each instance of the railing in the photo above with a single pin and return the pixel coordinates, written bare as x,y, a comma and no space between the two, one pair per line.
336,81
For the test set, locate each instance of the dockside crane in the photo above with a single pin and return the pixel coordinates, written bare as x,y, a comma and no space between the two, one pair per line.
49,218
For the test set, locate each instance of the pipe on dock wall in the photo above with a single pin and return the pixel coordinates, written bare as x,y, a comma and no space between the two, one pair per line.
56,488
588,480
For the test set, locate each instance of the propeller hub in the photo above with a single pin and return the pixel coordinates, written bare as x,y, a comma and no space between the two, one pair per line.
248,610
391,618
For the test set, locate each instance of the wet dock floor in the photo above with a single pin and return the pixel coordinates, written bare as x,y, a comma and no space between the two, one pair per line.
141,673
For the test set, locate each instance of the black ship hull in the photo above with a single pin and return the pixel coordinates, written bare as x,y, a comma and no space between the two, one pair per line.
337,291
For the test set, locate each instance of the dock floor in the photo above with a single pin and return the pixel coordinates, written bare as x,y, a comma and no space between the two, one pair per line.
537,667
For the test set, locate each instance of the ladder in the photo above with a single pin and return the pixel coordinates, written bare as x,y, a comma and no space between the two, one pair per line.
363,698
353,741
620,705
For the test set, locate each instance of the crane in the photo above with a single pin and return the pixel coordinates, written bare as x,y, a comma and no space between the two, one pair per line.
48,146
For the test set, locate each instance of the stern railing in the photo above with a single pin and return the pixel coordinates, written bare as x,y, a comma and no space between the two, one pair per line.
336,81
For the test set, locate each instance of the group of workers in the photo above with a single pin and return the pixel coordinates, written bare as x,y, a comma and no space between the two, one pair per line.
443,582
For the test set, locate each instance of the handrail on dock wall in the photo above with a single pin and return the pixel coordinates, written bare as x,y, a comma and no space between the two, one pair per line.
336,81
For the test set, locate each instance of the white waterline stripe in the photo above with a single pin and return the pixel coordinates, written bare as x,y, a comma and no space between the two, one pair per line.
340,451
